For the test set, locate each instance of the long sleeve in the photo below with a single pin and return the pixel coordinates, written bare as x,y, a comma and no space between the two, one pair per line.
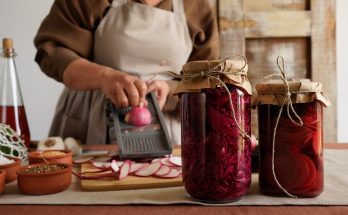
203,29
66,34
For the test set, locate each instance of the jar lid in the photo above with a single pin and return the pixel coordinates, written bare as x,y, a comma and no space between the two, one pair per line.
197,75
301,92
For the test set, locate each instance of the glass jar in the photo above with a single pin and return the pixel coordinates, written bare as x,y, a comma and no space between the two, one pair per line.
216,154
298,149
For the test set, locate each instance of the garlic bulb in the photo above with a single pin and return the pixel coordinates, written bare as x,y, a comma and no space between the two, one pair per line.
51,143
73,145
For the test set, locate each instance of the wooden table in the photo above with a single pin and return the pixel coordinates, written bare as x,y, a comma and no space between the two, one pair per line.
176,209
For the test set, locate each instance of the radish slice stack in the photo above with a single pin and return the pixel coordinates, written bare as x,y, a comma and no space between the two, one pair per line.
167,167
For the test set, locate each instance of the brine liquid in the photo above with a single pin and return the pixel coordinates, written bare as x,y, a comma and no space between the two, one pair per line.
216,158
298,159
15,117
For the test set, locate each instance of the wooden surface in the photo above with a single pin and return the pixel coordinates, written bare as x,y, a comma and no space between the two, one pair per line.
302,31
173,209
128,183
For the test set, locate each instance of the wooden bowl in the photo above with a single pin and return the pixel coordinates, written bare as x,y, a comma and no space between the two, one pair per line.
2,180
50,156
43,183
11,169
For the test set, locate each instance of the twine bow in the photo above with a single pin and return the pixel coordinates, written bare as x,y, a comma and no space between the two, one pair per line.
289,106
215,73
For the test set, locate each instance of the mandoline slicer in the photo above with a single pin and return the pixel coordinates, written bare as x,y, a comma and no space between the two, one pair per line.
141,141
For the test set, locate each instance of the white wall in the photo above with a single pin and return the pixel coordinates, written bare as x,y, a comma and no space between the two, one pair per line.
342,70
20,19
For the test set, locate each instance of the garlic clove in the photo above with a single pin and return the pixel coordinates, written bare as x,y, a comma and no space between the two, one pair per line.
73,145
51,143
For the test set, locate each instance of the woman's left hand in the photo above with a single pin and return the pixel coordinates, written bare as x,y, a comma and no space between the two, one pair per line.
161,89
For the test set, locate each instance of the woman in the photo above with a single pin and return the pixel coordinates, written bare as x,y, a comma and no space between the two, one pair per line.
119,49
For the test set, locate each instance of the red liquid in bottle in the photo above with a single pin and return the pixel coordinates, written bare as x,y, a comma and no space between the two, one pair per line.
15,117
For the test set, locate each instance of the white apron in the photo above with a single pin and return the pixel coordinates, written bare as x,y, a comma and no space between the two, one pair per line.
133,38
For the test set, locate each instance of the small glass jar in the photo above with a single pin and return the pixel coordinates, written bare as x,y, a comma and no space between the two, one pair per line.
298,150
216,154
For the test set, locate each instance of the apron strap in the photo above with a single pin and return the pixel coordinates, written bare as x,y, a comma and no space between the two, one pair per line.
178,7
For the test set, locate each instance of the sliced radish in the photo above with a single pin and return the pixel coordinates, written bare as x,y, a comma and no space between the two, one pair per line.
102,159
179,168
175,160
124,169
174,173
168,156
101,165
96,176
166,161
83,160
94,171
149,169
135,167
156,160
119,163
164,170
114,166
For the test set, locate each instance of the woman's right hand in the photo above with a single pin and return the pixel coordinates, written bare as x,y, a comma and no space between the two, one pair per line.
123,89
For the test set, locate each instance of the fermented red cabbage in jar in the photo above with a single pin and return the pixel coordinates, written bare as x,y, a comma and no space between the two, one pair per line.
216,156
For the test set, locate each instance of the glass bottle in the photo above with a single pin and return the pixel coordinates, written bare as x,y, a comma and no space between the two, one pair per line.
216,154
12,111
297,153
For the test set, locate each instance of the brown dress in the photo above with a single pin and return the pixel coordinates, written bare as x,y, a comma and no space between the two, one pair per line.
67,33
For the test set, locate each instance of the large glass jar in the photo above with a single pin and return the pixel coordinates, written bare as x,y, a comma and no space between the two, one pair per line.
297,161
216,153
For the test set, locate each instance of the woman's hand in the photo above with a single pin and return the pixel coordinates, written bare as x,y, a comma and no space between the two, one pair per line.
161,89
123,89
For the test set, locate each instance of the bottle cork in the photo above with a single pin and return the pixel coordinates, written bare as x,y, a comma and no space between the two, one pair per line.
7,43
7,46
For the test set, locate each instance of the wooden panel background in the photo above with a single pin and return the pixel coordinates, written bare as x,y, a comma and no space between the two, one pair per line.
302,31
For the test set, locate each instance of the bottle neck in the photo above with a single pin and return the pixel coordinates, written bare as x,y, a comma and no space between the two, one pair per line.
8,53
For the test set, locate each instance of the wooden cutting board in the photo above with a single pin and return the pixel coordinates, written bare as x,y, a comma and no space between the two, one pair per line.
128,183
